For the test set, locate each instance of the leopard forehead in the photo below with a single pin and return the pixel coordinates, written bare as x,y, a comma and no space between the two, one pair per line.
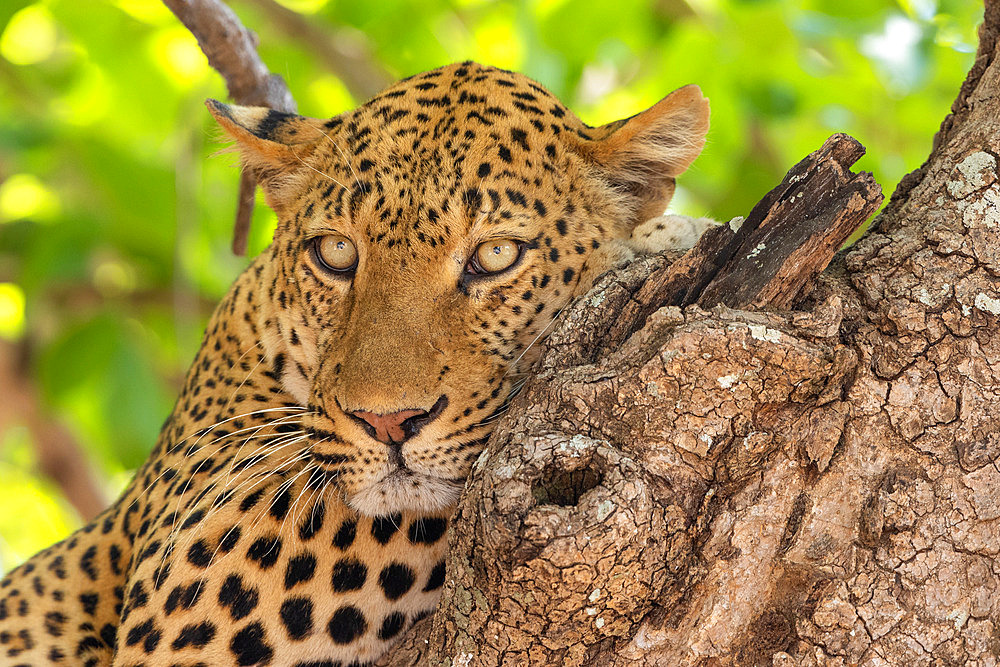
458,145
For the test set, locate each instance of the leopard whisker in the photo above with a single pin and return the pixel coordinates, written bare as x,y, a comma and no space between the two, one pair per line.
268,450
255,478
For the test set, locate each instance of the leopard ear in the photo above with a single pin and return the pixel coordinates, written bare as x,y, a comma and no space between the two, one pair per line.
273,144
640,156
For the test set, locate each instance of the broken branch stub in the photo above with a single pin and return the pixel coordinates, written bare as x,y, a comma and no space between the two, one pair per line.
777,252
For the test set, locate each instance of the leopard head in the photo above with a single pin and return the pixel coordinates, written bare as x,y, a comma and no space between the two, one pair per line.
425,242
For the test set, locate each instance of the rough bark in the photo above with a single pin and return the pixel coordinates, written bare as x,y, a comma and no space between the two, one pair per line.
814,486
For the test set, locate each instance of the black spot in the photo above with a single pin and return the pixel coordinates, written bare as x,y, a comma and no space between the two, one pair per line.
313,521
349,575
270,122
568,276
183,596
252,499
427,531
199,554
89,602
137,596
504,154
249,647
384,527
54,622
229,539
87,562
554,255
138,632
197,635
109,635
114,556
520,137
192,520
391,625
301,568
484,170
280,504
436,580
395,579
345,535
265,551
561,226
296,614
241,601
347,624
516,197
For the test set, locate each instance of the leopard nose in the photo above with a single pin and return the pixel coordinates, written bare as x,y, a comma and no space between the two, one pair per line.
395,428
392,428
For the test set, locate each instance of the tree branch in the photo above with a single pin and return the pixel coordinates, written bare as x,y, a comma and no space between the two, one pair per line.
231,50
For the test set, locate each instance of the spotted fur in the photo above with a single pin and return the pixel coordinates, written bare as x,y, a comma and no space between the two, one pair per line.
270,525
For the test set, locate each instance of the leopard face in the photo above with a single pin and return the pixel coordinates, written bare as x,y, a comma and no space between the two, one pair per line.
384,321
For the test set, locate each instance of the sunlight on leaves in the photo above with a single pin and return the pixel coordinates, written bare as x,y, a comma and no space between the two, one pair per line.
153,12
498,43
176,52
304,6
329,96
33,516
30,36
895,51
11,311
24,196
88,98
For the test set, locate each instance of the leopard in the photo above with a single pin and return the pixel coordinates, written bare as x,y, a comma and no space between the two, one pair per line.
296,505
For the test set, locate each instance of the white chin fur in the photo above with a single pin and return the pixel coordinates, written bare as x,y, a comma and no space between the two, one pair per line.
398,494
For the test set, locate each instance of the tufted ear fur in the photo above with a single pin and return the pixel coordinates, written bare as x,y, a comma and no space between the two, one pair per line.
640,156
273,144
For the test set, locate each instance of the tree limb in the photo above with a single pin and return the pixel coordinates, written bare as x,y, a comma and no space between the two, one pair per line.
231,50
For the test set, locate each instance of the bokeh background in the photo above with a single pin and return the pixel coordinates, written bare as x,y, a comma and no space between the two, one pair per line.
115,218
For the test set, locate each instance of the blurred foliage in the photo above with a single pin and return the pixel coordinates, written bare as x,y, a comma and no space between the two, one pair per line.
115,220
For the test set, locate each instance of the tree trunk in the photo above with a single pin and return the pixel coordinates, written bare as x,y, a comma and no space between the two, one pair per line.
819,486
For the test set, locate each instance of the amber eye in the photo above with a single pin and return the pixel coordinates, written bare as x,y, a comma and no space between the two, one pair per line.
494,256
336,253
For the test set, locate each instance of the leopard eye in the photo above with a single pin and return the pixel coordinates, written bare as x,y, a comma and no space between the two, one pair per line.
336,253
495,256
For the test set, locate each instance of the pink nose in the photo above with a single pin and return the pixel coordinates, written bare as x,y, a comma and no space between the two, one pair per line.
393,428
